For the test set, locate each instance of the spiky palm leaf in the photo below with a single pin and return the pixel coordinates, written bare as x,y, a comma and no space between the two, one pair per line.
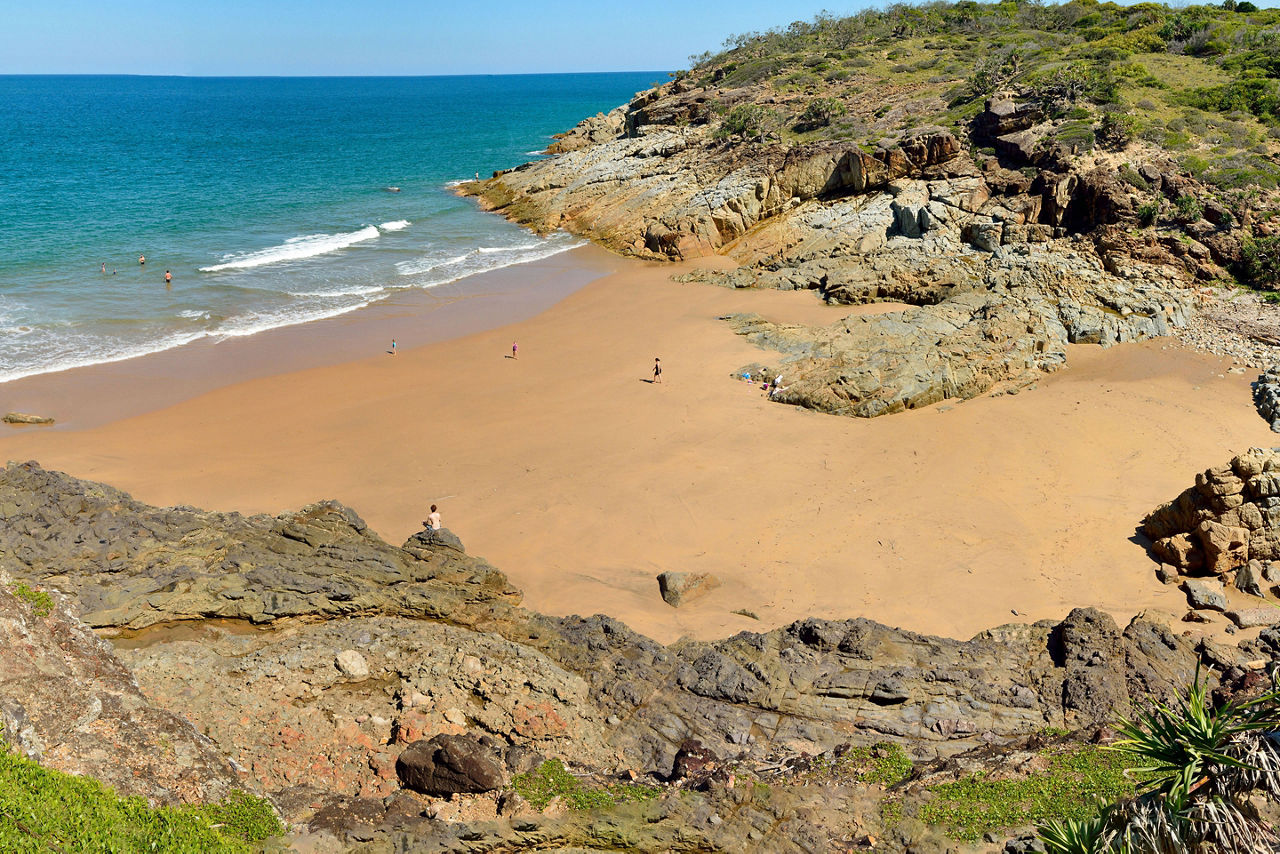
1200,764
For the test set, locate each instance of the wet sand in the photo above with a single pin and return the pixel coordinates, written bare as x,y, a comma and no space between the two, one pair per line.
581,480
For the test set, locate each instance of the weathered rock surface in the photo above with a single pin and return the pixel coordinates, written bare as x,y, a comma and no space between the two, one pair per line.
25,418
1006,268
588,689
1230,517
130,565
1266,397
67,702
1206,595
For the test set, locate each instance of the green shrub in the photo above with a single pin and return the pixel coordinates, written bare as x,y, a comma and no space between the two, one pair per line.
1115,131
552,780
1261,264
820,111
1256,96
1148,212
747,121
40,602
1131,177
1068,788
1187,208
242,816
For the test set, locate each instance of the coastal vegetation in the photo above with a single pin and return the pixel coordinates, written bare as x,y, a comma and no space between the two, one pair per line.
44,810
1200,764
1197,85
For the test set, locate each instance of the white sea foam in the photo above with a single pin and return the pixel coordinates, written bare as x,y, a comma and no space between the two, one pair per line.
537,154
254,322
395,225
432,270
459,182
63,348
353,291
489,250
93,350
294,249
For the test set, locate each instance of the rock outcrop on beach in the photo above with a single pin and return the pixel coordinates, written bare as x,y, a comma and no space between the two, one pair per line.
1223,535
317,706
130,565
1266,397
1011,203
1004,269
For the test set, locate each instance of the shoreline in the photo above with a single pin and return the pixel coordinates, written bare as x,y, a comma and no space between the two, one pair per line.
93,395
582,481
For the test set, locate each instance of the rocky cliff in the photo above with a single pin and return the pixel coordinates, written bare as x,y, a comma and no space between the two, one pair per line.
318,705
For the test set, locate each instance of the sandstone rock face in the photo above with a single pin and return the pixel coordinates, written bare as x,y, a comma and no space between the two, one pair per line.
1230,517
129,565
67,702
448,764
680,587
1251,618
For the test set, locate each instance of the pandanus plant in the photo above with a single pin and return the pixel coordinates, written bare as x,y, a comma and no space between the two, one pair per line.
1198,767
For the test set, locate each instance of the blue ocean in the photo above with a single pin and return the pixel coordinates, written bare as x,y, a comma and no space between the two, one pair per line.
270,201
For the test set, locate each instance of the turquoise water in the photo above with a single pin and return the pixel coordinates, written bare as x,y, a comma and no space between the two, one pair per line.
269,200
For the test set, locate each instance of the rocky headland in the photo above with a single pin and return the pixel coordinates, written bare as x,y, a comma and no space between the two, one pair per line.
1012,209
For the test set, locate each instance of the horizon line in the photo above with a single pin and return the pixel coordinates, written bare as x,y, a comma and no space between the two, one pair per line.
319,76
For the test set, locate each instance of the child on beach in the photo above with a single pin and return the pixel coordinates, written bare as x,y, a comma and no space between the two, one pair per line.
515,350
657,369
393,346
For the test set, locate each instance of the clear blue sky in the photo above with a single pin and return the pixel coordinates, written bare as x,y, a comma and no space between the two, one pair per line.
316,37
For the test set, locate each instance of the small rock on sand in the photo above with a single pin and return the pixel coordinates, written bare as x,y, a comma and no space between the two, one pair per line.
680,587
25,418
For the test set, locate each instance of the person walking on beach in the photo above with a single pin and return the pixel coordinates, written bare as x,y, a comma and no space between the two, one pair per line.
168,278
657,369
142,260
393,346
432,521
515,350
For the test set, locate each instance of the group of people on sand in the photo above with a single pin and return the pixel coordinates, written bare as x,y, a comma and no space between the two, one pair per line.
142,262
771,387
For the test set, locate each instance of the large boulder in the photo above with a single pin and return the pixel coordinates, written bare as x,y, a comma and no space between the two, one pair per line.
449,764
1231,516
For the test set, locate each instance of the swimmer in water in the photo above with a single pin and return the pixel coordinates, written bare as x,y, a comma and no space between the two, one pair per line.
142,259
168,277
104,266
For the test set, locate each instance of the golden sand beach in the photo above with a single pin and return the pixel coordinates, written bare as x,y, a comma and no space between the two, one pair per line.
582,481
